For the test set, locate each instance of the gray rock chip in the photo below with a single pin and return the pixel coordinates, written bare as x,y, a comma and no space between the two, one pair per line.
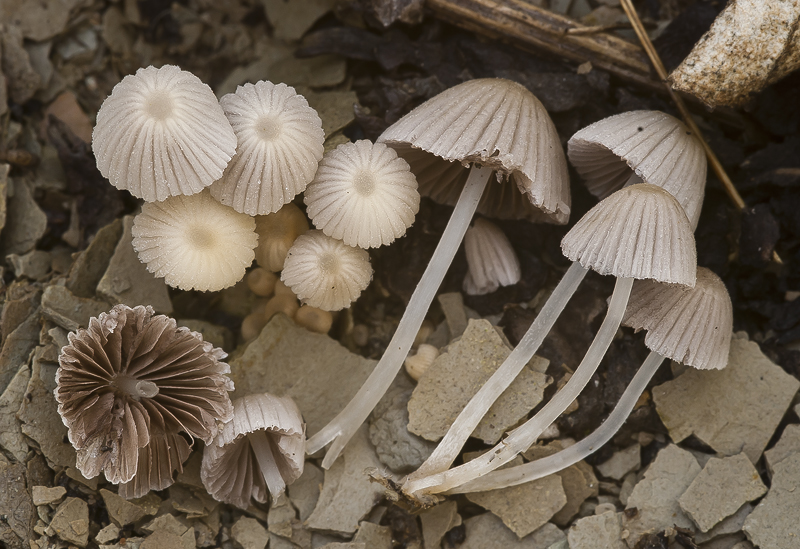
304,492
454,313
727,526
292,20
39,20
488,532
602,531
348,494
25,221
22,79
335,108
42,495
655,497
249,533
18,511
344,545
121,511
721,488
437,521
108,534
316,371
459,372
218,336
68,311
775,522
788,444
4,168
622,463
71,522
33,265
11,438
127,279
374,536
733,410
90,264
20,339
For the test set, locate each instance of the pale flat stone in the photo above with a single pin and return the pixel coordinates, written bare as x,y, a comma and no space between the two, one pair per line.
291,20
11,438
437,521
218,336
89,266
121,511
656,496
722,487
25,221
166,523
316,371
322,71
459,372
602,531
108,534
127,279
68,311
42,495
22,79
775,522
16,528
335,108
488,532
455,315
304,492
727,526
249,533
71,521
374,536
39,20
622,463
348,494
788,444
733,410
281,516
344,545
33,265
162,540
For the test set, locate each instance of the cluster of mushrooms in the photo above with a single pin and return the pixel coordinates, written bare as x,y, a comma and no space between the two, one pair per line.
218,178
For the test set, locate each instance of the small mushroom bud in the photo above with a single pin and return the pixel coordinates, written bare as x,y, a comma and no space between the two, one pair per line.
262,282
276,234
313,319
416,365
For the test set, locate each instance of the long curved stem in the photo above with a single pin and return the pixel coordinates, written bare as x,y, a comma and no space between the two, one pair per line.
344,425
449,447
578,451
522,437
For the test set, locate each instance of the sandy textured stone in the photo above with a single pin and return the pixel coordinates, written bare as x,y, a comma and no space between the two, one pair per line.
374,536
108,534
788,444
335,108
166,523
163,540
16,528
730,525
622,463
42,495
127,279
280,517
25,220
722,487
775,522
347,493
316,371
249,533
656,496
121,511
71,521
11,437
22,80
488,532
597,532
304,492
344,545
291,20
33,265
91,263
39,20
68,311
459,372
455,315
437,521
322,71
732,410
21,331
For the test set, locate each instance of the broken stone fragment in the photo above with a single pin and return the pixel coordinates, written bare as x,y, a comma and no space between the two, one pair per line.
16,528
602,531
437,521
249,533
304,492
291,20
68,311
71,522
107,534
90,264
21,79
452,305
42,495
374,536
788,444
33,265
775,522
11,438
722,487
730,525
732,410
25,220
622,463
121,511
488,532
335,108
166,540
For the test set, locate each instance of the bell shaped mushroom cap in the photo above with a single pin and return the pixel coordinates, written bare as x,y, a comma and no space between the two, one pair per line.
689,325
194,242
638,232
491,260
658,147
162,133
280,144
326,273
363,195
492,122
276,234
262,448
134,380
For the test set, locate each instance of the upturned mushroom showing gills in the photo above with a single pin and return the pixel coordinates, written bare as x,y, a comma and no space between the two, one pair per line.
129,385
639,232
460,138
689,325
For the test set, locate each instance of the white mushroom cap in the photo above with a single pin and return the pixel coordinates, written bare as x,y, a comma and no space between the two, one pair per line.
658,147
162,133
363,195
638,232
491,260
262,448
326,273
689,325
280,143
492,122
194,242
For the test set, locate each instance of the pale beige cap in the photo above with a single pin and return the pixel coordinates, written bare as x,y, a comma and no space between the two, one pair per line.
491,260
491,122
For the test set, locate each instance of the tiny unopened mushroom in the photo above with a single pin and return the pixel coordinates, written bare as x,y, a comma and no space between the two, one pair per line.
417,364
194,242
491,261
314,319
279,146
326,273
281,303
363,195
128,385
261,281
276,234
261,449
162,133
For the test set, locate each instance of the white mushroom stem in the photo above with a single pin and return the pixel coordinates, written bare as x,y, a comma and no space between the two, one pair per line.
449,447
543,467
520,439
344,425
259,441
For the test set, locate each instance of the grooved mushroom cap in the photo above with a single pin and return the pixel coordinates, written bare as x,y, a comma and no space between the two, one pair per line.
266,433
658,147
492,122
326,273
194,242
276,234
689,325
279,146
128,385
491,260
638,232
162,133
363,195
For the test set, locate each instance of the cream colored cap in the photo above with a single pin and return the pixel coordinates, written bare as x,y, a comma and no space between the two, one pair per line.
194,242
279,146
491,260
363,195
638,232
162,133
492,122
658,147
689,325
326,273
